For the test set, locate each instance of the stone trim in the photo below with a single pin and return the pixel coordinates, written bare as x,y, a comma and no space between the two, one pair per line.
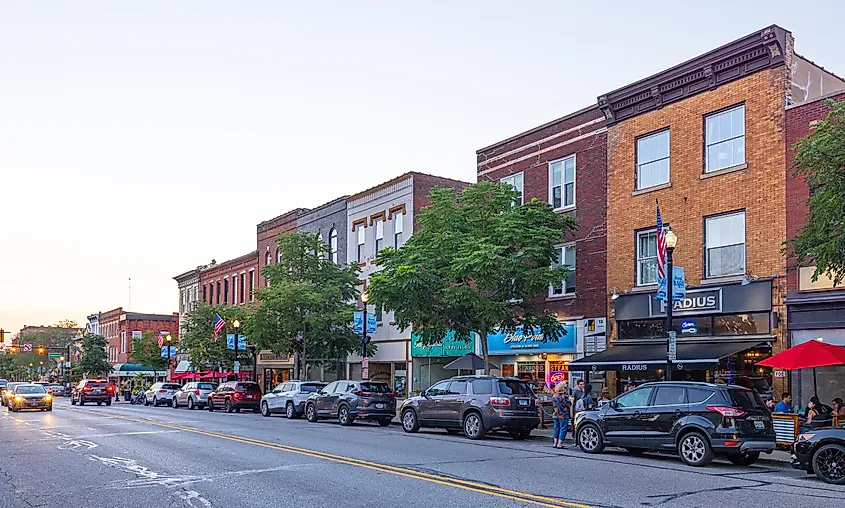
394,209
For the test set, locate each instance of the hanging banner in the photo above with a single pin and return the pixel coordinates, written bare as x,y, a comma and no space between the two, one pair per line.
679,286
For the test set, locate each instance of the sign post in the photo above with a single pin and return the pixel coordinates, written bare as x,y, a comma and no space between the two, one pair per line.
673,346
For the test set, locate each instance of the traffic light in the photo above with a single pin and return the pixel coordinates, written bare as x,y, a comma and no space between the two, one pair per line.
14,349
40,350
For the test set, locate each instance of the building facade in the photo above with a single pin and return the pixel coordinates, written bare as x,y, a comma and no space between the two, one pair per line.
563,162
189,293
379,217
94,324
121,327
231,282
267,232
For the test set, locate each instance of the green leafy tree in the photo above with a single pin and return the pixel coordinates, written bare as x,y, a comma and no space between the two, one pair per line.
8,365
307,308
93,359
820,160
145,351
475,264
198,339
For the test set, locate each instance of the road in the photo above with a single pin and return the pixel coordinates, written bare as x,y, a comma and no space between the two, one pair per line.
143,456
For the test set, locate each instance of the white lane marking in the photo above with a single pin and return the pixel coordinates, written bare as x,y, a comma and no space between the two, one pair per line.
193,499
138,433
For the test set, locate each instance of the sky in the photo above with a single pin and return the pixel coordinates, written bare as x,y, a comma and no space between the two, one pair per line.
139,140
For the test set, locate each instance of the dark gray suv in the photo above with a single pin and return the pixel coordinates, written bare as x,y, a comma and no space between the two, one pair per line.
474,404
353,400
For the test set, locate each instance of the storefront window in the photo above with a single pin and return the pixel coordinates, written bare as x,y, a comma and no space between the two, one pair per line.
693,326
697,326
741,324
274,377
641,329
400,377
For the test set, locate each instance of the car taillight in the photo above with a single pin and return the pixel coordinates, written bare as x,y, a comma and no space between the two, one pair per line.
110,388
500,401
86,388
727,412
238,395
197,392
162,391
392,395
362,393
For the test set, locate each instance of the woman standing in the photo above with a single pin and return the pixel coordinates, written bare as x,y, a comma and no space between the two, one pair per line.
562,407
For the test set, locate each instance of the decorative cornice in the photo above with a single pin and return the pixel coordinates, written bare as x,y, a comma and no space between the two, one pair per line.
761,50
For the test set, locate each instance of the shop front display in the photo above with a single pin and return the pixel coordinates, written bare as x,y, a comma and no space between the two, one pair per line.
429,361
273,369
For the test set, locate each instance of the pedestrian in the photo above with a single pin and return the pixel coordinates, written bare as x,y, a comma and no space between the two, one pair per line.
770,405
562,408
838,407
586,403
785,404
605,397
577,395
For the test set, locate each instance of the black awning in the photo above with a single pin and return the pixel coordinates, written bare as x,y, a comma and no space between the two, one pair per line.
643,357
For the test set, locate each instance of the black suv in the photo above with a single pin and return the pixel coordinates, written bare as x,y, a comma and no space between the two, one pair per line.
92,390
474,404
697,420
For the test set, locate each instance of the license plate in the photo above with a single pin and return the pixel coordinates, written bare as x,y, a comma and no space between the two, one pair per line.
249,396
379,406
523,402
759,425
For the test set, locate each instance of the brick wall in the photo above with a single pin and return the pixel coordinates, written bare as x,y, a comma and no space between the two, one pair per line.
223,272
267,232
154,326
423,184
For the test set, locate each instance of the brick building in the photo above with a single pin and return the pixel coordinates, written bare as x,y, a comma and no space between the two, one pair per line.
189,293
119,327
699,138
231,282
563,162
267,232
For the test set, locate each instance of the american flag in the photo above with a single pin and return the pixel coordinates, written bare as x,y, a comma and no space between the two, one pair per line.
219,324
160,339
661,247
76,355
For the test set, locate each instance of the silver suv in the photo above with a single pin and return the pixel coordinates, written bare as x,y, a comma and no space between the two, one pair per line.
475,405
194,394
289,398
160,393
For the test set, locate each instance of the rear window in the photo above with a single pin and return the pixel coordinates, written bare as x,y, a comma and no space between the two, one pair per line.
482,386
746,399
312,388
29,389
247,387
97,384
513,387
376,387
170,387
698,395
205,386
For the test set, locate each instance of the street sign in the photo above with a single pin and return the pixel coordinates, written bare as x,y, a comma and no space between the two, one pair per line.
237,368
673,345
27,347
780,373
365,363
55,355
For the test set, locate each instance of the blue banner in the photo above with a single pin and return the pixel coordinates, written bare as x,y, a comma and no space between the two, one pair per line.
679,286
230,342
172,351
517,342
358,322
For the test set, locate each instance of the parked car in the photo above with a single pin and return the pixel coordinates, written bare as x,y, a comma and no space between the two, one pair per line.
821,451
234,396
56,390
474,404
193,395
353,400
289,398
7,391
696,420
3,383
160,393
30,396
92,390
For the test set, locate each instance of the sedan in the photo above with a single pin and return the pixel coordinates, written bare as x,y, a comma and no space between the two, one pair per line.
193,395
821,451
30,396
289,398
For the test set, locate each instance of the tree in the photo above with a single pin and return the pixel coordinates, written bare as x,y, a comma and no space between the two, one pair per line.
145,350
93,359
198,339
820,160
7,365
475,264
67,323
307,308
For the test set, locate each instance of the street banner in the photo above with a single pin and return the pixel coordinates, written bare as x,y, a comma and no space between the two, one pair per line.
172,351
358,322
230,342
679,286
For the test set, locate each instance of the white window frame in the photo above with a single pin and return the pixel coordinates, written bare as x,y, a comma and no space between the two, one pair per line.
563,182
378,236
122,342
563,247
707,248
252,285
668,158
360,244
513,180
333,245
398,227
638,257
235,289
708,143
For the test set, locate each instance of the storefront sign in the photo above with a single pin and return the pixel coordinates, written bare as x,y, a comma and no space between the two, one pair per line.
555,377
449,346
700,301
517,342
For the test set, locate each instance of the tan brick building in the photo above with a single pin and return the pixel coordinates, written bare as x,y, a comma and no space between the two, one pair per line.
706,139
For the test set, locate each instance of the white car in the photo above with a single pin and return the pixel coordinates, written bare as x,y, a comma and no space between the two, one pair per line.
289,398
194,394
160,393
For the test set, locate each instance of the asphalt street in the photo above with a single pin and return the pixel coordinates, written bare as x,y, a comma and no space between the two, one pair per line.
124,455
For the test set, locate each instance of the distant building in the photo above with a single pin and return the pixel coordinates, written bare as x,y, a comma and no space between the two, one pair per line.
119,327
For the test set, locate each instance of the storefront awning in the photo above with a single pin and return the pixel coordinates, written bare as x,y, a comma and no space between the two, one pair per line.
644,357
184,366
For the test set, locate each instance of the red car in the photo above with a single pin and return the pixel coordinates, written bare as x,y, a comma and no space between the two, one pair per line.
234,396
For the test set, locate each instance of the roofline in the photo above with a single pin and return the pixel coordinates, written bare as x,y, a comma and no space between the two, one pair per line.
231,261
397,179
182,276
538,128
817,65
296,212
341,199
817,99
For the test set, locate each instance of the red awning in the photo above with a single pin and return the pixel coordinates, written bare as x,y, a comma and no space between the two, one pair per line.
177,376
808,355
190,375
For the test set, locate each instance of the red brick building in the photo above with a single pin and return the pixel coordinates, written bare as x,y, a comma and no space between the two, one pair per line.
563,162
119,327
267,231
231,282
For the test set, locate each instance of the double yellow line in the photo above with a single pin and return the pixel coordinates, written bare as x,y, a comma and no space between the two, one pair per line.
481,488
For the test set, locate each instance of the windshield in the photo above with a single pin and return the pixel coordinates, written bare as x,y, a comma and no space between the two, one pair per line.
746,399
205,386
170,387
312,388
376,387
247,387
513,387
29,389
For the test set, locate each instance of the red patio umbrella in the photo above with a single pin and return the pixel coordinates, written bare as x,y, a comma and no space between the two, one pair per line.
177,376
809,355
190,375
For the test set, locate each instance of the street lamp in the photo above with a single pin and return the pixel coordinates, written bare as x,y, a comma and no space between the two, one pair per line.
168,338
235,367
671,242
365,297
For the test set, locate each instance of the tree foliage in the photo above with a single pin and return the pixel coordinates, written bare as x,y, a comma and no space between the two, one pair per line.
145,350
475,264
198,339
307,308
820,160
93,359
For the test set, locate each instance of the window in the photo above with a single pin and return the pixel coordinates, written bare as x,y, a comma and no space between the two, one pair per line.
741,324
647,257
241,294
458,388
234,289
182,301
379,237
562,189
653,160
122,342
698,395
482,386
251,285
333,245
278,256
725,245
362,238
226,291
725,140
636,398
398,225
669,396
516,183
513,387
136,334
204,294
269,258
441,388
565,256
218,292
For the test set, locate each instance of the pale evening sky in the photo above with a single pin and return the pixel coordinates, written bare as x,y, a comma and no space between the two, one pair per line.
143,139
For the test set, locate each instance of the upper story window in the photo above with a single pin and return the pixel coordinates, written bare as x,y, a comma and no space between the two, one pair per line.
252,285
562,177
398,225
333,245
565,256
724,239
516,182
647,257
361,238
269,258
653,160
725,140
278,256
378,243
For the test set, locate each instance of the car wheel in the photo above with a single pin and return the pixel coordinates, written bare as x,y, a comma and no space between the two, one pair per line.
108,402
146,402
155,402
190,404
829,464
590,439
265,409
174,403
384,422
290,411
81,401
72,401
636,452
99,402
695,450
50,408
474,426
343,416
210,406
519,435
311,413
409,421
743,459
228,406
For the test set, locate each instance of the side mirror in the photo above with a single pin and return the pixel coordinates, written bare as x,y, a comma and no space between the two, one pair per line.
613,404
425,394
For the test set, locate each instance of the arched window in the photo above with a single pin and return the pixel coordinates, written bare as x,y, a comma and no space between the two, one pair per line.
333,245
278,256
269,258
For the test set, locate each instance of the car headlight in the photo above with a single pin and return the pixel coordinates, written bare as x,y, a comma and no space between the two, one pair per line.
18,398
805,437
48,398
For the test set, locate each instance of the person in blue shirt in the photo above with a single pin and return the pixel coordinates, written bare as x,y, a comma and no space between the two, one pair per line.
785,405
562,407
